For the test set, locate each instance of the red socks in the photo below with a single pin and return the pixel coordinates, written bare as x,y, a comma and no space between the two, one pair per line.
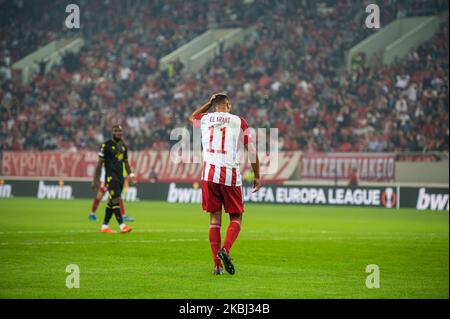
122,207
215,241
95,204
214,238
232,233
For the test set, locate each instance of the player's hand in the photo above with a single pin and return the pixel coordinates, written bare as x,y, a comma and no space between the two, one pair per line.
256,185
132,179
95,185
211,100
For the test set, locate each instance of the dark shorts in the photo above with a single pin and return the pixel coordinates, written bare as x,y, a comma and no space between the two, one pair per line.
215,195
114,186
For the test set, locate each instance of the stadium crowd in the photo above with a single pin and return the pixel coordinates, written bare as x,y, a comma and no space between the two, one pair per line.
125,40
286,75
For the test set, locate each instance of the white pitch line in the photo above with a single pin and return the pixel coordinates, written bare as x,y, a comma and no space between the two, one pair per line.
150,241
31,232
266,232
153,241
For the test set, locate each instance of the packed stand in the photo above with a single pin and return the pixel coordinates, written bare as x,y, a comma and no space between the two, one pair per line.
286,75
125,40
289,80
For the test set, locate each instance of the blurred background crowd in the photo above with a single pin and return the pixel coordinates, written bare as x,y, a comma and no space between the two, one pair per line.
289,75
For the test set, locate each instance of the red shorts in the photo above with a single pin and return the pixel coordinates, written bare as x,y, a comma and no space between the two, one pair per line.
214,195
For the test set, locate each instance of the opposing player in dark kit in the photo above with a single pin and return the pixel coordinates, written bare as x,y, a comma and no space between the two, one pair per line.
114,155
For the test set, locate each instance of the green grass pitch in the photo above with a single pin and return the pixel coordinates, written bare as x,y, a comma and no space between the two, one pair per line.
282,252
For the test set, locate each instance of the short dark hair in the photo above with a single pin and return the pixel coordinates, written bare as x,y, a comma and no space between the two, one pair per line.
117,126
219,99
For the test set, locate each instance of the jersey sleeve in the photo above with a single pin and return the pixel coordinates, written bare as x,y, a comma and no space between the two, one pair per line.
125,153
197,119
102,151
124,170
245,131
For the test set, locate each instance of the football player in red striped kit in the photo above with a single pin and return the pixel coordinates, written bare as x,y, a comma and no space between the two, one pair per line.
222,133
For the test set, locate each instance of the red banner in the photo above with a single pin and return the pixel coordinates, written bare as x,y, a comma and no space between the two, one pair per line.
47,164
145,164
370,167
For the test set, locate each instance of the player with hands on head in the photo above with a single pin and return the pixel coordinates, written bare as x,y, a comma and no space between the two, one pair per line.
222,132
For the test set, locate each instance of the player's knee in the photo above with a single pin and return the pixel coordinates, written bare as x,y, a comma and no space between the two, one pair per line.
115,201
216,218
236,217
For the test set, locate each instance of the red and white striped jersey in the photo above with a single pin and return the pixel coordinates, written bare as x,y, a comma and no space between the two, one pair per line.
222,135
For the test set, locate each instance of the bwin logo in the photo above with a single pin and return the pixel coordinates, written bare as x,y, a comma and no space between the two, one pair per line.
183,195
431,201
54,191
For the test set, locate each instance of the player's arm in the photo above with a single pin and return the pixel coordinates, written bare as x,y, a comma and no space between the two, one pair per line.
251,152
98,168
254,161
130,172
98,171
128,167
203,109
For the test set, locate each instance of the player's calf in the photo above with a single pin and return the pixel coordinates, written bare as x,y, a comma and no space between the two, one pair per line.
116,210
215,242
108,215
233,231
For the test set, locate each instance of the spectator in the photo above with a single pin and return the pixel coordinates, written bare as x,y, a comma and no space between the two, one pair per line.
354,178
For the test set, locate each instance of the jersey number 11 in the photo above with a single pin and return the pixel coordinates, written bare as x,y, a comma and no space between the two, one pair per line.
211,137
